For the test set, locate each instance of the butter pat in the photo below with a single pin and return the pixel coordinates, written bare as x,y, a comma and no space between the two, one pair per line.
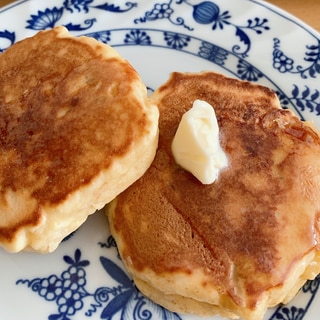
196,145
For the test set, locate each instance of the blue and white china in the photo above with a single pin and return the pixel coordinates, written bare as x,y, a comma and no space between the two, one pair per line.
249,39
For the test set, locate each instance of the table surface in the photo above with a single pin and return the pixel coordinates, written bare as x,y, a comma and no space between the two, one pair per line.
306,10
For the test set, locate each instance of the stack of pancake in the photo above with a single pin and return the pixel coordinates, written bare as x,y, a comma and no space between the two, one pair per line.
244,243
78,132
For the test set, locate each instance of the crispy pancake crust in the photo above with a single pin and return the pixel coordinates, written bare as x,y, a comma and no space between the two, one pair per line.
244,243
74,121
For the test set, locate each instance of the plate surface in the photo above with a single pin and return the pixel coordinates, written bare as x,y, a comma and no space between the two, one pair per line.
248,39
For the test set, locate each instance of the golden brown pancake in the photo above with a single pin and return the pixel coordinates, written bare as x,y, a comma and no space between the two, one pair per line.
76,129
244,243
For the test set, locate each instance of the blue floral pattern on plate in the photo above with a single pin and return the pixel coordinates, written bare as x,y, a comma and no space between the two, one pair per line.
241,38
208,12
68,291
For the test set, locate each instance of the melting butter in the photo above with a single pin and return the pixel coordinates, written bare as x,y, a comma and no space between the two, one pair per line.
196,144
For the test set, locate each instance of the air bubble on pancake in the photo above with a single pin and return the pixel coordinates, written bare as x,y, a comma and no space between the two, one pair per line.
113,90
62,112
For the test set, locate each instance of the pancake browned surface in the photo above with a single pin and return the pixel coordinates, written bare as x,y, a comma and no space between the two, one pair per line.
244,243
76,129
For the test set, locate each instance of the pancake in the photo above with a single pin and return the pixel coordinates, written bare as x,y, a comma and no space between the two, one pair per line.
76,129
244,243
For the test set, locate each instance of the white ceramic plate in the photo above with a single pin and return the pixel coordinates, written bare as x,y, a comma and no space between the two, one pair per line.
248,39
